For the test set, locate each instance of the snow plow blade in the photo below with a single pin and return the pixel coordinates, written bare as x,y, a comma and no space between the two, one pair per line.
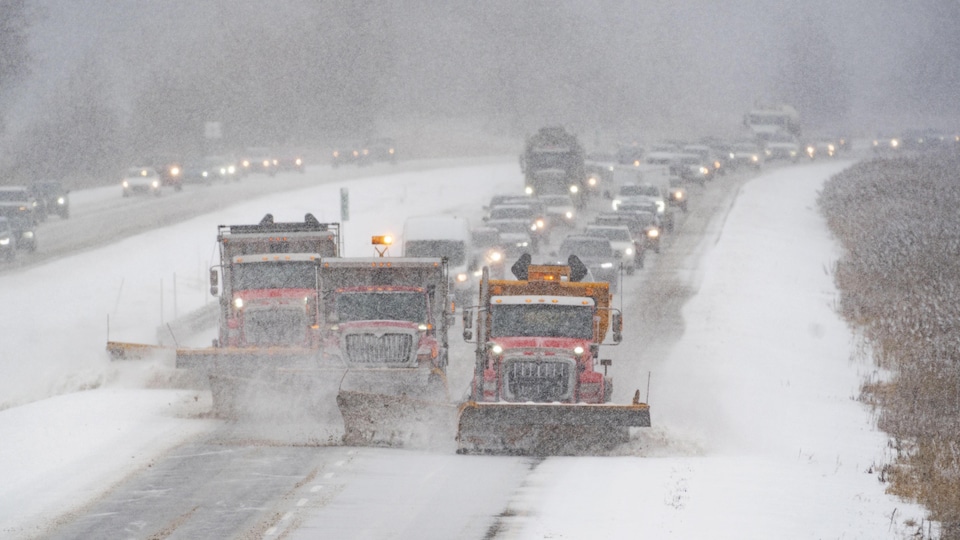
546,429
120,350
254,382
371,419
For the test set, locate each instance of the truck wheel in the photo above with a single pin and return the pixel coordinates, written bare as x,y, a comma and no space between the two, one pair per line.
631,270
607,389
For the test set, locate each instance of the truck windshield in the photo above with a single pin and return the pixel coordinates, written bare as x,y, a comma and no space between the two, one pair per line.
524,320
274,275
382,306
453,250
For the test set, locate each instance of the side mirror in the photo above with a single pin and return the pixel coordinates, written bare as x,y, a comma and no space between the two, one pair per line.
467,324
617,327
214,281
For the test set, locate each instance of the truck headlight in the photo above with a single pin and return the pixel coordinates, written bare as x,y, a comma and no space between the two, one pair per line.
422,327
592,181
653,233
606,265
496,256
574,189
528,190
569,215
125,184
628,251
238,303
461,277
541,224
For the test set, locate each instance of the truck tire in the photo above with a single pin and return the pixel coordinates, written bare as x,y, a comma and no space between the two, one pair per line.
607,389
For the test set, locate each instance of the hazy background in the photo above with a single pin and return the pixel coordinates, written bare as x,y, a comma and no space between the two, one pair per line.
88,87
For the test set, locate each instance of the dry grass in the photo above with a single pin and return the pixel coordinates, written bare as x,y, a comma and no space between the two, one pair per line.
898,221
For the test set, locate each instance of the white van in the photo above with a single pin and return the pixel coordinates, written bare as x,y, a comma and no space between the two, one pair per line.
443,236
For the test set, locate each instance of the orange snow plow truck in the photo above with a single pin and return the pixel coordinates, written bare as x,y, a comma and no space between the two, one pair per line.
535,388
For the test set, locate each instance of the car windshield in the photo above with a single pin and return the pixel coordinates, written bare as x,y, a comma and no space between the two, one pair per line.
511,212
141,173
525,320
382,306
635,191
556,200
586,248
453,250
10,195
485,237
274,275
512,226
614,234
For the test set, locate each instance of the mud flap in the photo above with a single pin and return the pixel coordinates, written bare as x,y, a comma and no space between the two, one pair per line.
546,429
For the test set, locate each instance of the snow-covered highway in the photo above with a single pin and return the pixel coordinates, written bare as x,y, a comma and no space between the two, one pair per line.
756,433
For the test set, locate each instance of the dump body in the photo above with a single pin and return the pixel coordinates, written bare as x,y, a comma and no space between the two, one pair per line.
535,387
553,163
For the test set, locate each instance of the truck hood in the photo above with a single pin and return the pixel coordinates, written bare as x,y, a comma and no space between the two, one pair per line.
354,326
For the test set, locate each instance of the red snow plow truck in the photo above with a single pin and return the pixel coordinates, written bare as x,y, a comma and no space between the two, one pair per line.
386,322
535,387
269,321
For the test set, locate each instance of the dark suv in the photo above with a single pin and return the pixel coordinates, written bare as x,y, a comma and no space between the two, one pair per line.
18,204
8,240
52,198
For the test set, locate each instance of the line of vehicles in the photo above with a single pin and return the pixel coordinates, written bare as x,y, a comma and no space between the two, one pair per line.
23,208
299,323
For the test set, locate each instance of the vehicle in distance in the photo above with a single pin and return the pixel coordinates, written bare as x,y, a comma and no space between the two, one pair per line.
8,240
139,180
52,198
19,205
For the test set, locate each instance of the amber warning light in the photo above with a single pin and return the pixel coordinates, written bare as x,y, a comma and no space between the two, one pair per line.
381,244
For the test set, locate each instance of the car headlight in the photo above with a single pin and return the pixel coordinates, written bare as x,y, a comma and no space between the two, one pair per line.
28,234
606,265
125,184
223,171
768,152
174,171
299,162
238,303
628,251
616,203
533,227
661,207
574,189
155,184
754,157
204,174
4,241
569,215
653,233
336,153
61,200
592,181
522,244
793,153
678,195
461,277
422,327
894,143
541,224
732,155
245,163
704,170
495,256
528,190
231,169
578,350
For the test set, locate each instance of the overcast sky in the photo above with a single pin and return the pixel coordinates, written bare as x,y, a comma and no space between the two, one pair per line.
656,68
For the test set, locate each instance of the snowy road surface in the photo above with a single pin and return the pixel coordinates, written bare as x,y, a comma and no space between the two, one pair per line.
756,433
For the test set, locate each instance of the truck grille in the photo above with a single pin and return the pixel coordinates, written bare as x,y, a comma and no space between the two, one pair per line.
373,349
538,380
273,327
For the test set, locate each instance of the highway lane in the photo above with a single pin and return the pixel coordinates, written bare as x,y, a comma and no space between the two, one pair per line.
263,481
